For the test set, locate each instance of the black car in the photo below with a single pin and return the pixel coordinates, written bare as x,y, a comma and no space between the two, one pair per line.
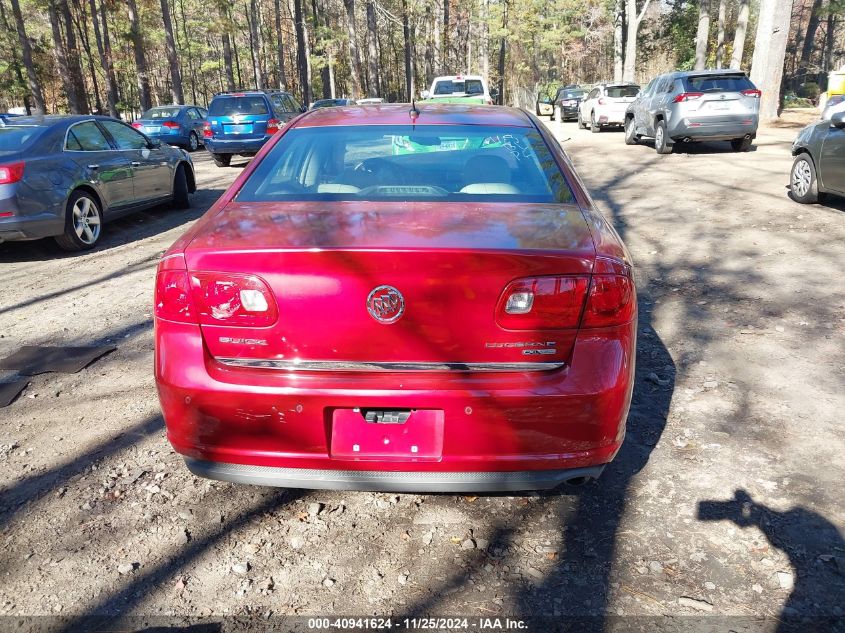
566,103
819,165
64,176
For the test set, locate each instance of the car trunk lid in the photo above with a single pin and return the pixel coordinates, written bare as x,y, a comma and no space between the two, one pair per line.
450,262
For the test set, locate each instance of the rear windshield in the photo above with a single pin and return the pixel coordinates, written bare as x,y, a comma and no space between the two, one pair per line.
622,91
717,83
16,138
571,94
161,113
227,106
468,86
426,163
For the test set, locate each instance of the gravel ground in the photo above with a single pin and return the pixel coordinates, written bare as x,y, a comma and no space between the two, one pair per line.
726,499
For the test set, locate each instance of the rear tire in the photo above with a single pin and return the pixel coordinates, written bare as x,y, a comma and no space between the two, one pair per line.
630,132
802,180
661,144
83,223
222,160
181,198
741,144
595,128
193,142
581,124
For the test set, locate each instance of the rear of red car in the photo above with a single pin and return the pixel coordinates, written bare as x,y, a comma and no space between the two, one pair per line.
435,321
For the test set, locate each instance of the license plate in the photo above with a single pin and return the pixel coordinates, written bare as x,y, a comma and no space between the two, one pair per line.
720,106
419,437
152,129
242,128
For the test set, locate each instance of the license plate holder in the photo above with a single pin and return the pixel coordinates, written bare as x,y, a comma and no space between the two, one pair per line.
418,438
238,128
152,129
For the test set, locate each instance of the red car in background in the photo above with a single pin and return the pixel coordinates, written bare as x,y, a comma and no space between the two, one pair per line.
395,299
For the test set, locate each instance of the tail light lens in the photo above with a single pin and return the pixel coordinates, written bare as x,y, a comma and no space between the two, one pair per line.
542,303
687,96
752,93
11,172
235,300
137,125
206,130
173,297
273,126
610,301
211,298
171,125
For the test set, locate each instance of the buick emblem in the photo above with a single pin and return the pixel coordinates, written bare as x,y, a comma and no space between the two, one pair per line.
386,304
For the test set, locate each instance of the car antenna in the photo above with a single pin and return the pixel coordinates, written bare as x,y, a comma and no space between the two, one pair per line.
413,112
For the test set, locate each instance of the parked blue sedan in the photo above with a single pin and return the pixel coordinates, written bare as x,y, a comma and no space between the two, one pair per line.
63,176
179,125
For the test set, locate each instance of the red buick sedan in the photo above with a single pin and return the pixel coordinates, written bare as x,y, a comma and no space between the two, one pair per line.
401,299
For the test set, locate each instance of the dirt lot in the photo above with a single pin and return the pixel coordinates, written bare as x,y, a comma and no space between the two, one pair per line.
726,499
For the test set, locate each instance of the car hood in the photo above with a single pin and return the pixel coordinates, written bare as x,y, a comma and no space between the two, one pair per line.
396,225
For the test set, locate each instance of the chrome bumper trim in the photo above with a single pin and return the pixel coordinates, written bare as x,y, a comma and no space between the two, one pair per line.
390,481
376,366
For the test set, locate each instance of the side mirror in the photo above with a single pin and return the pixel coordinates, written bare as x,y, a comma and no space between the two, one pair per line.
838,120
425,94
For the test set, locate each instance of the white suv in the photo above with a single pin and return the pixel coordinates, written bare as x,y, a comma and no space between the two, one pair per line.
605,105
459,89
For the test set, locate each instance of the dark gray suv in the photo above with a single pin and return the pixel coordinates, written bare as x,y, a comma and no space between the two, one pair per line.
701,105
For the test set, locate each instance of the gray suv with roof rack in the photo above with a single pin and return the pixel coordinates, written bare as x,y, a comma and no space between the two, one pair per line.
701,105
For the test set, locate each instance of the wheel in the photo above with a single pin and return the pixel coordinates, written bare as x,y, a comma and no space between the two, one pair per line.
581,124
181,199
193,142
83,223
222,160
595,128
556,116
741,144
630,132
660,140
802,180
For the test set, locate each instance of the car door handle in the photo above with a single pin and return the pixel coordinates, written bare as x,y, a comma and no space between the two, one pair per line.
93,166
135,163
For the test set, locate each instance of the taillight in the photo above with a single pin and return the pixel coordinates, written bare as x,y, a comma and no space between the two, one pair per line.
137,125
611,301
687,96
232,299
173,297
602,101
542,303
206,130
273,126
171,125
752,92
11,172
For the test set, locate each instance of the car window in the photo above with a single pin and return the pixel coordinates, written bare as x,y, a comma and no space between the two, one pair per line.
649,88
594,93
203,112
571,94
16,138
228,105
287,104
717,83
295,104
458,86
124,136
379,162
161,113
193,114
622,91
86,137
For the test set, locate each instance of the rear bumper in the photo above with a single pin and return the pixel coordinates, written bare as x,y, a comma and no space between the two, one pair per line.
569,112
273,427
173,139
235,146
30,227
714,128
374,480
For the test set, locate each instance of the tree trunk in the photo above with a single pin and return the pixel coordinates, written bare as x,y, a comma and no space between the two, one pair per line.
60,53
445,63
769,54
191,72
143,80
739,34
280,46
634,19
406,35
74,60
702,36
172,59
372,51
301,53
502,52
26,53
829,39
720,34
354,59
618,39
86,44
483,49
810,36
255,39
111,87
